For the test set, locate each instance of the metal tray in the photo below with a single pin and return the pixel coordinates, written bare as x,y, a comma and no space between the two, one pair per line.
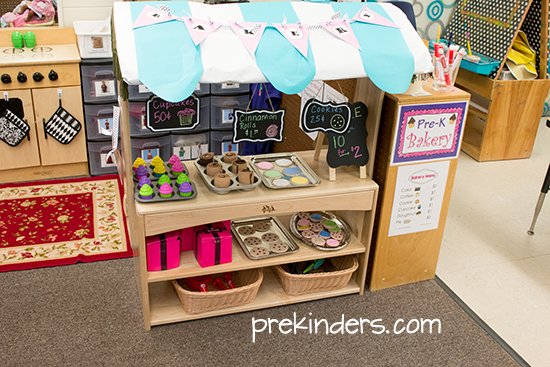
235,185
297,162
326,216
157,198
168,172
275,226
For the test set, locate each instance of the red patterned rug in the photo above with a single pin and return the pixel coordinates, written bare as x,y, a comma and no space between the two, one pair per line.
61,222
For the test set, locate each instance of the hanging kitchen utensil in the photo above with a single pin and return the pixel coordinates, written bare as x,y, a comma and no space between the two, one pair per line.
62,125
12,127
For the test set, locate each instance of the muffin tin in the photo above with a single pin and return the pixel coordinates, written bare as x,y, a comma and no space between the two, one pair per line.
262,237
284,171
343,238
235,185
152,177
156,196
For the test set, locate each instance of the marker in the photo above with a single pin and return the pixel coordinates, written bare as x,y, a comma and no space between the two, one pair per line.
444,66
450,38
438,32
469,48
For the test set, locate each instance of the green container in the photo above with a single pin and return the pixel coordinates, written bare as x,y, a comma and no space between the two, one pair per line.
17,39
30,39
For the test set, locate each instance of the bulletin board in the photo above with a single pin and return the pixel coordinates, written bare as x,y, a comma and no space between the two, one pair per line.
492,26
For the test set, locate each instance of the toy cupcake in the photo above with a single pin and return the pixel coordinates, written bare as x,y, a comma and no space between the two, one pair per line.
206,158
230,157
222,180
141,171
177,168
146,192
157,161
185,189
173,159
213,168
165,190
182,178
159,170
144,181
138,162
164,179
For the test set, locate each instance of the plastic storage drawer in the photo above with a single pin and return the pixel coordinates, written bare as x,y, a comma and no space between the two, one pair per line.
202,89
189,146
97,158
221,143
99,83
139,93
94,38
224,89
148,148
222,110
99,121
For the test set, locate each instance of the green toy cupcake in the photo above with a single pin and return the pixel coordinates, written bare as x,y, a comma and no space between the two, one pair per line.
181,179
146,192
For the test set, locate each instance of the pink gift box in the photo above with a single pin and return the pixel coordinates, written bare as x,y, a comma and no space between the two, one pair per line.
187,239
213,244
163,251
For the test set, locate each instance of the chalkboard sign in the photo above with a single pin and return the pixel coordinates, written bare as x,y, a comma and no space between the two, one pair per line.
325,116
258,125
350,147
166,116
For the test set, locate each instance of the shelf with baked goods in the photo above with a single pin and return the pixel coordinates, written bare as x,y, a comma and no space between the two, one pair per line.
190,268
166,308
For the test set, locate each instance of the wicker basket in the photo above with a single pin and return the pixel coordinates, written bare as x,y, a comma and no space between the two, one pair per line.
335,274
247,283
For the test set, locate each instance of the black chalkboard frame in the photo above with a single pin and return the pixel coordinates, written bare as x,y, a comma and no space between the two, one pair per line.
172,110
306,114
279,136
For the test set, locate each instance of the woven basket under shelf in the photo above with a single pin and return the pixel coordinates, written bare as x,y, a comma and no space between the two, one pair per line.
337,275
247,283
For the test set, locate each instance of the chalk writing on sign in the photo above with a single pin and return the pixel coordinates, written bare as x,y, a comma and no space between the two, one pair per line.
258,125
325,116
163,115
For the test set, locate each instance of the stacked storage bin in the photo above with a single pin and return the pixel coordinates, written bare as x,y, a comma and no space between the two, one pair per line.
224,100
190,144
99,91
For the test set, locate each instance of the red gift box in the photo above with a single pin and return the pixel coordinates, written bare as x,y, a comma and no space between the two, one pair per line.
213,244
163,251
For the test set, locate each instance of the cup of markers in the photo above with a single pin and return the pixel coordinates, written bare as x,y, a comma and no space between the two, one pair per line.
446,62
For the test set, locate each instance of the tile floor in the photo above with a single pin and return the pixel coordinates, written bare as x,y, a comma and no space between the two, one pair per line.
488,259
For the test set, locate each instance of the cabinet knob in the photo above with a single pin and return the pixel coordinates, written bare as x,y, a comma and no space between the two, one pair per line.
52,75
6,78
37,77
21,77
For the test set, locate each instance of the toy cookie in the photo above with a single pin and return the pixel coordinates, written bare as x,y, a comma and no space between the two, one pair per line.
258,251
278,247
252,241
317,240
270,237
246,230
261,226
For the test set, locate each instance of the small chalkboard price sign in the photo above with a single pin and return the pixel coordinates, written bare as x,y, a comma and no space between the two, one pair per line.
258,125
325,116
166,116
350,146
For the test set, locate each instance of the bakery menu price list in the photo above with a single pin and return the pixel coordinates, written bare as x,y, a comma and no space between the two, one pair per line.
418,198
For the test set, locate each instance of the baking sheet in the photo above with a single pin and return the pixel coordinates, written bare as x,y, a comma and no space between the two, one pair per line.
235,185
275,227
326,216
297,162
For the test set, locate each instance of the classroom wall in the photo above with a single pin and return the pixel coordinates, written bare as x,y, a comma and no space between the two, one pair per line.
71,10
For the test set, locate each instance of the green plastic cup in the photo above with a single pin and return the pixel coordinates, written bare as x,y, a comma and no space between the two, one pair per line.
17,39
30,39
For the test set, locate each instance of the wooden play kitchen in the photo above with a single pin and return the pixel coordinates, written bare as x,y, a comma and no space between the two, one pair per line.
43,78
345,191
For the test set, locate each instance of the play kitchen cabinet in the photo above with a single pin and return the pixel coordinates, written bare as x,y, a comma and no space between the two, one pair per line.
38,76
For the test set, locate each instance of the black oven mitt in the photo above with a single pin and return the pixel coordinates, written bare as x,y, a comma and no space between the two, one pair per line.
12,128
62,126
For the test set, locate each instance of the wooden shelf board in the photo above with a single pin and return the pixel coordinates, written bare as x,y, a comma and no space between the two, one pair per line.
347,182
166,306
190,268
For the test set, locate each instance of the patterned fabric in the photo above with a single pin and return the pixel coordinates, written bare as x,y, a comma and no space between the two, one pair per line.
61,223
10,133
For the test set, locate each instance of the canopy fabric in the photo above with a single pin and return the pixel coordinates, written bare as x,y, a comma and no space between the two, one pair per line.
164,58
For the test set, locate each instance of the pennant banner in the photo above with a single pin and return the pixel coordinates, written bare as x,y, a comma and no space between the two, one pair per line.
150,16
296,34
342,29
249,33
366,15
200,29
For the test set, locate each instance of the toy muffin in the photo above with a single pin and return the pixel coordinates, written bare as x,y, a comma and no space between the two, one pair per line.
213,168
185,189
159,170
238,165
141,171
246,177
173,159
177,168
144,181
230,157
222,180
146,192
181,179
164,179
157,161
165,190
206,158
138,162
